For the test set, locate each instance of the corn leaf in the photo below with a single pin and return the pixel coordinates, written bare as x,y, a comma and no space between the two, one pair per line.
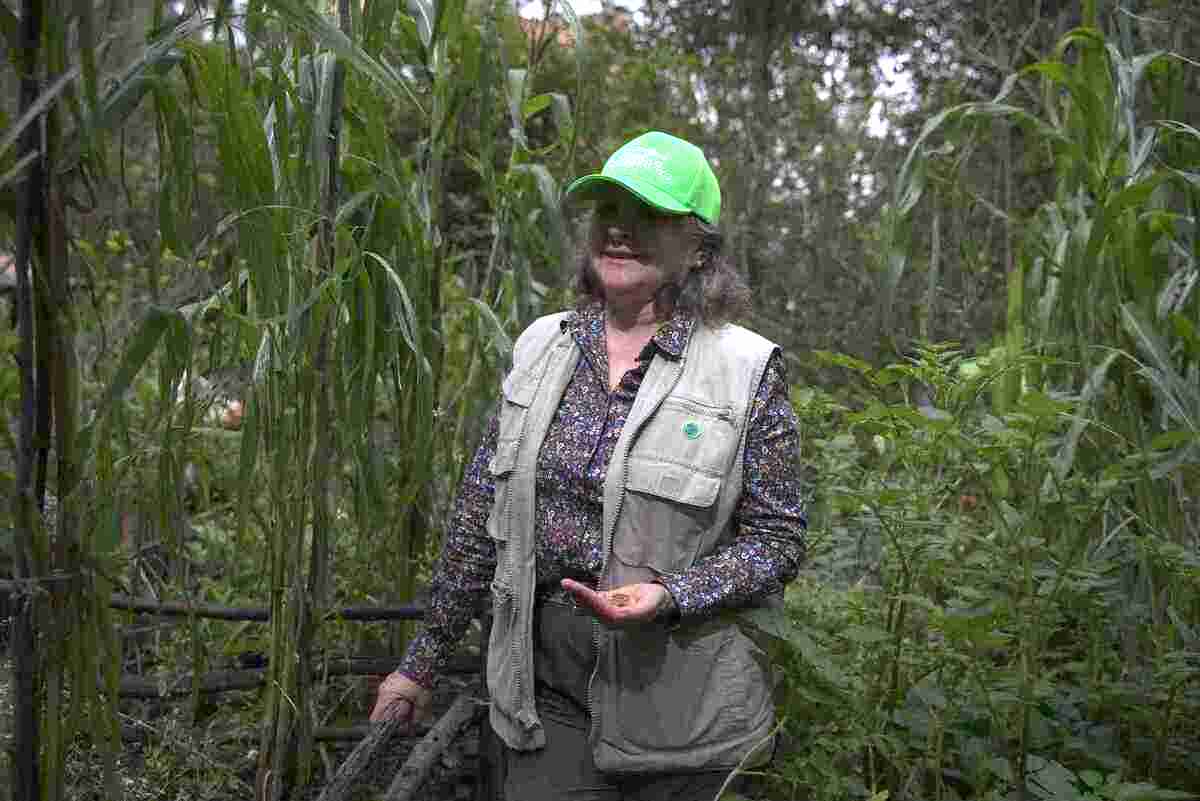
306,19
499,340
446,21
1065,458
36,109
19,168
128,91
406,320
1180,400
424,14
516,99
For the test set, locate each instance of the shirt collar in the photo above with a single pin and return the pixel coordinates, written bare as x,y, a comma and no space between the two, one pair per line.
673,335
671,338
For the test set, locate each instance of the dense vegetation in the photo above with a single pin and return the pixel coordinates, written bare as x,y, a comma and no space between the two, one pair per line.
279,250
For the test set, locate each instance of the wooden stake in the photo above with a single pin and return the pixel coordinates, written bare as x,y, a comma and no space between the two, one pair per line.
360,758
416,768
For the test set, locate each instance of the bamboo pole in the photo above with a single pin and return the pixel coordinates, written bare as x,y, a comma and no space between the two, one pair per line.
26,676
223,681
64,628
254,613
238,613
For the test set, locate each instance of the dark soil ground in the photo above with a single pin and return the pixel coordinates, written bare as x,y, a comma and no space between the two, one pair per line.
164,756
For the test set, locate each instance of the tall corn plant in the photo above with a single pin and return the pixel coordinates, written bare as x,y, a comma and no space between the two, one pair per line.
1104,285
528,228
327,318
64,638
1113,252
347,254
342,297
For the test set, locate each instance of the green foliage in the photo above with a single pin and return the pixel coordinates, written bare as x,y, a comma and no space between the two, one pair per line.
974,619
1002,599
1076,589
341,308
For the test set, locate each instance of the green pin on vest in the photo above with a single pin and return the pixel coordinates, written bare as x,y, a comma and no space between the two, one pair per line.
692,429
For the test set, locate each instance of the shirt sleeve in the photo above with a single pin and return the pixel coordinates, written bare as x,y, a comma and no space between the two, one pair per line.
769,543
462,573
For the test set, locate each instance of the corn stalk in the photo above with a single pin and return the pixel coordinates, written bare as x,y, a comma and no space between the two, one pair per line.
63,636
342,293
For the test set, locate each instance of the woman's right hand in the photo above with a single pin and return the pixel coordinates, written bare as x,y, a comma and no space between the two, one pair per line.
400,698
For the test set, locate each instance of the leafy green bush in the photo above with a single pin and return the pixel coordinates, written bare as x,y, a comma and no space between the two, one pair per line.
976,620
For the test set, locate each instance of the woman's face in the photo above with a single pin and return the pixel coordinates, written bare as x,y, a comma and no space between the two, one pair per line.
635,249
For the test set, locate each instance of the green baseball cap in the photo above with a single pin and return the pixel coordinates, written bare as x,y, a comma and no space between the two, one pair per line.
664,171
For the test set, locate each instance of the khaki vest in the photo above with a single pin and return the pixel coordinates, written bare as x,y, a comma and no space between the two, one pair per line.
663,699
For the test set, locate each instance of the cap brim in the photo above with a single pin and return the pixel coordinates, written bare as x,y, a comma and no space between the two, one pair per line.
589,186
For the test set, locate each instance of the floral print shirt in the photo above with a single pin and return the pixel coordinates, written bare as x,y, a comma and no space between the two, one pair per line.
764,555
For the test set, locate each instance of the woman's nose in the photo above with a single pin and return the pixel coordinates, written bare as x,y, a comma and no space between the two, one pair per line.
619,232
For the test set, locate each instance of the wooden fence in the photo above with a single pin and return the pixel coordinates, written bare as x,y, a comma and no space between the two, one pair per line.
374,738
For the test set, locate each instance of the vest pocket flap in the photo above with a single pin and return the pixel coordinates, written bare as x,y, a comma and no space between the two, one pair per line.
674,482
519,388
505,458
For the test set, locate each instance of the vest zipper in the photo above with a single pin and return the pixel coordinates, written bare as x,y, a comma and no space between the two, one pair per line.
606,546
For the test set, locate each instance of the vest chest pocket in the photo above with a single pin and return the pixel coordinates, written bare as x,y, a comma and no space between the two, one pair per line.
517,393
676,470
691,434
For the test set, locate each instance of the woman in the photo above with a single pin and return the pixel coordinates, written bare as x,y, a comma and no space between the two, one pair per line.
637,487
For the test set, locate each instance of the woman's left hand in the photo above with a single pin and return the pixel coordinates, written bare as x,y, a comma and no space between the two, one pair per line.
624,606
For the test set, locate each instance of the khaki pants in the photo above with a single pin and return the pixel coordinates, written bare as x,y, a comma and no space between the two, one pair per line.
563,771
